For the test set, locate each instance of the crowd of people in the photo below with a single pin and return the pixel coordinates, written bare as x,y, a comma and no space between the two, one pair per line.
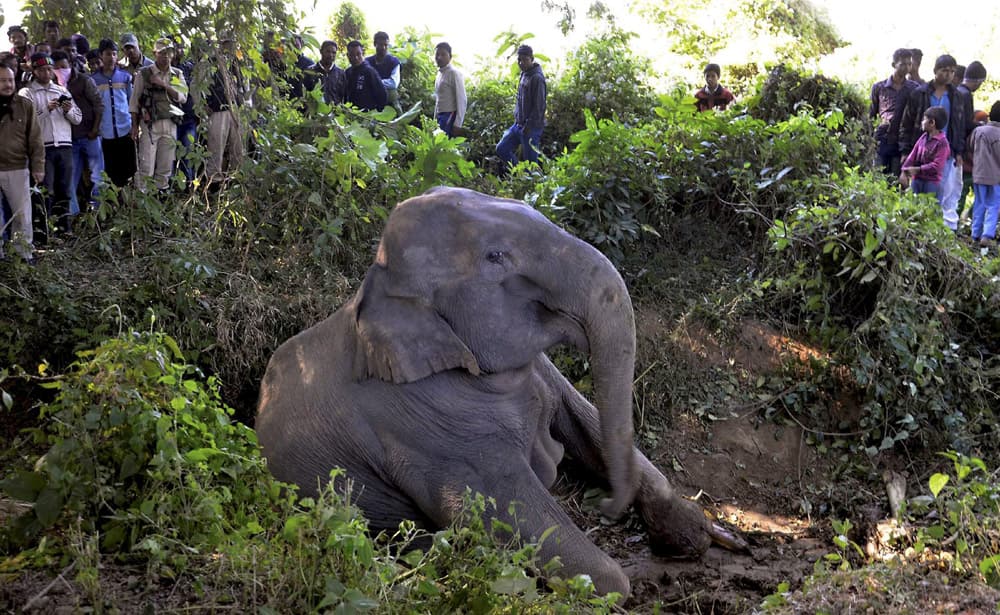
74,118
930,137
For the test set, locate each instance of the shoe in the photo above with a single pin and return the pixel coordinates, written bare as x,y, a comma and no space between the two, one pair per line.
984,242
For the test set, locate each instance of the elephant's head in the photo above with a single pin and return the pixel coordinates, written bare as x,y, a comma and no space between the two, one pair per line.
464,280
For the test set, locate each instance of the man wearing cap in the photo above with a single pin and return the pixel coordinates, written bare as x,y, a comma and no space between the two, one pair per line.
974,76
387,67
21,150
132,59
158,91
114,85
529,111
57,113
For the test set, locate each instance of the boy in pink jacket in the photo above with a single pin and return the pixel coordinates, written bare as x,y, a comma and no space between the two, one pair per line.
923,168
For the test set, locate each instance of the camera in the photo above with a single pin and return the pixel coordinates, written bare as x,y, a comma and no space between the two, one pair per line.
63,99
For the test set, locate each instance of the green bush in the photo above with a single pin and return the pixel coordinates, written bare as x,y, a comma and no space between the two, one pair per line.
877,279
603,76
139,448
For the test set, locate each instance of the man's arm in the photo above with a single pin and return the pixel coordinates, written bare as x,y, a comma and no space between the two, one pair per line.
36,147
377,90
97,104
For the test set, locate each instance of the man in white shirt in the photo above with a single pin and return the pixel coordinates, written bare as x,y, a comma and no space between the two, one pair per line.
449,92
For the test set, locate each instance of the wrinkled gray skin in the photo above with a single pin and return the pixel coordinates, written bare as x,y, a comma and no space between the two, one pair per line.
433,378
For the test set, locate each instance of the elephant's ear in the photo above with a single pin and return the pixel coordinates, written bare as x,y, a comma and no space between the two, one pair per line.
401,338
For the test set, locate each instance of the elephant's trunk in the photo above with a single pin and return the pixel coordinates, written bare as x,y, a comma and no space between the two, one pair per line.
596,296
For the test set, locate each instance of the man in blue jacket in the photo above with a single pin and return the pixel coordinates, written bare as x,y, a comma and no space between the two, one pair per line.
114,84
529,111
364,86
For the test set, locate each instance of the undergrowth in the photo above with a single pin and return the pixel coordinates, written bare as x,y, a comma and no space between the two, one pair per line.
139,461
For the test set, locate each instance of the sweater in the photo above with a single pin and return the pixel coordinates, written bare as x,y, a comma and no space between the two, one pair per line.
984,145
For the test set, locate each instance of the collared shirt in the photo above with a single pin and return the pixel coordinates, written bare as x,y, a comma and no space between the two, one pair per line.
887,105
449,92
172,75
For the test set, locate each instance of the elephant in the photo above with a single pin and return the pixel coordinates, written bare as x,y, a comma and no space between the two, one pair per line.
433,378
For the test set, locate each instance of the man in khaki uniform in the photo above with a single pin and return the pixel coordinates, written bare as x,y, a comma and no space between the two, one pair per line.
21,149
157,92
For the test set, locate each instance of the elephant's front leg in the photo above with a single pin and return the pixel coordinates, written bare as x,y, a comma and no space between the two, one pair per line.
505,475
676,526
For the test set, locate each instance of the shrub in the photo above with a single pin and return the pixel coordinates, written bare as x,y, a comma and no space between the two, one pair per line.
877,279
603,76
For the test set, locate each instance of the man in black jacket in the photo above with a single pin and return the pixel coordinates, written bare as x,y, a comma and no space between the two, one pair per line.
364,86
940,92
888,98
529,111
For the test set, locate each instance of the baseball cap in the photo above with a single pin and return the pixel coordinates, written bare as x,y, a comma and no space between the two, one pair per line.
39,60
130,39
161,44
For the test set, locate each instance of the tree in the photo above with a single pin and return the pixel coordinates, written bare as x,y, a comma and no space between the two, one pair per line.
792,31
348,24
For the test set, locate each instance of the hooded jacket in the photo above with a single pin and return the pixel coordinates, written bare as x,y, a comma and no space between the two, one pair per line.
529,111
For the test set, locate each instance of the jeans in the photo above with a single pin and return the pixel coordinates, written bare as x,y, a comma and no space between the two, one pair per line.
922,186
186,131
447,122
530,140
58,181
985,211
86,152
951,188
887,157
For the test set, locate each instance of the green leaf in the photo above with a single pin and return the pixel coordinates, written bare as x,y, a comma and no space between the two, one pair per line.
23,485
201,454
8,401
937,483
48,506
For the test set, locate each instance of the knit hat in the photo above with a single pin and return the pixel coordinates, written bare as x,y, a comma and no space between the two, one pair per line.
975,71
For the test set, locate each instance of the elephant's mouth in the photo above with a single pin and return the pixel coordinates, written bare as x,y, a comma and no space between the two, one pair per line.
570,328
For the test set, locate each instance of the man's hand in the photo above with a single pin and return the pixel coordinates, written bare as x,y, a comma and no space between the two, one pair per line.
38,176
53,103
66,105
135,130
92,134
958,160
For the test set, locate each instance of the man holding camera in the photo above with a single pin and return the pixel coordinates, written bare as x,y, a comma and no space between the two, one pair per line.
158,92
56,113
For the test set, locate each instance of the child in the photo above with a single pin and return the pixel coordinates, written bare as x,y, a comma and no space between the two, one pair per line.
713,95
985,148
924,166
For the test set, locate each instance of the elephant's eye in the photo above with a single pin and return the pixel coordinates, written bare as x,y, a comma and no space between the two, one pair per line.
495,257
